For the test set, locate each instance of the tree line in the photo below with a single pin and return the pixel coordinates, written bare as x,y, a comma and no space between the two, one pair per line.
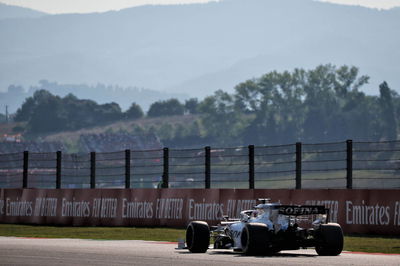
318,105
46,113
15,95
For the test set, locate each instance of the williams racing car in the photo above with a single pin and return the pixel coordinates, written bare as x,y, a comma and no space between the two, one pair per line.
268,229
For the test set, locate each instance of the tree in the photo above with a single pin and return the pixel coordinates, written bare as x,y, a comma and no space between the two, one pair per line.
25,112
108,112
332,102
275,101
46,112
191,106
219,117
134,112
389,123
166,108
320,102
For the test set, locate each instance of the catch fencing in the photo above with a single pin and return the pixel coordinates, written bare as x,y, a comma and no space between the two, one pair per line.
347,164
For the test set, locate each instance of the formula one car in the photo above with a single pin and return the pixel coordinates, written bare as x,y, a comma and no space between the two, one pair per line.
268,229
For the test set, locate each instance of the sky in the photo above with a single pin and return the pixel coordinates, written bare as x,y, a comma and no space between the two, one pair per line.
89,6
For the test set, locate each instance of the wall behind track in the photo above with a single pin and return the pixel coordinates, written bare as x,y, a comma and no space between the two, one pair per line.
358,211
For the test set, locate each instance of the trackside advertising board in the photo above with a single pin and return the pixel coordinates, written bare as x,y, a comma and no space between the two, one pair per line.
358,211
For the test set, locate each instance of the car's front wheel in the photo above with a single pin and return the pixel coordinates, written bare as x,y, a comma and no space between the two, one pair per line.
198,237
255,239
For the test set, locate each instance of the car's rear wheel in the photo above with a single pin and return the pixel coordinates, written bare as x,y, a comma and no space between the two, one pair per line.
198,237
329,240
255,239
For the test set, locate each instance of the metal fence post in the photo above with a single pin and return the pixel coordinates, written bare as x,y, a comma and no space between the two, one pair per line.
251,166
93,170
165,176
298,165
349,160
58,169
207,167
127,168
25,170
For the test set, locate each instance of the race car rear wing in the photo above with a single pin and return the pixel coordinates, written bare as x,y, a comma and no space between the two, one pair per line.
297,210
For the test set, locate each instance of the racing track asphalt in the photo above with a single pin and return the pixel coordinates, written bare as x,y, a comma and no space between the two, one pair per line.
34,251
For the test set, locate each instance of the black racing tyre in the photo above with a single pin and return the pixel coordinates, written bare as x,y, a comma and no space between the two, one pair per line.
255,239
198,237
329,240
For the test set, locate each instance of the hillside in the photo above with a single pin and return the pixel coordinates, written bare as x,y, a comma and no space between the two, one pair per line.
8,128
199,48
124,126
134,127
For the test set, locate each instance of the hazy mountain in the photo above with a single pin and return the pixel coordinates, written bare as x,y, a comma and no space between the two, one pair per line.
199,48
7,12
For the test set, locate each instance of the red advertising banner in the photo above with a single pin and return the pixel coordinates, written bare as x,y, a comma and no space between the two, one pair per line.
358,211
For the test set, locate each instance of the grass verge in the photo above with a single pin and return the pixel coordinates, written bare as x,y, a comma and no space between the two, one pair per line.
359,243
372,244
104,233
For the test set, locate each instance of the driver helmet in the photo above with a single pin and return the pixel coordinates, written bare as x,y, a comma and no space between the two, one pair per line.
259,208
